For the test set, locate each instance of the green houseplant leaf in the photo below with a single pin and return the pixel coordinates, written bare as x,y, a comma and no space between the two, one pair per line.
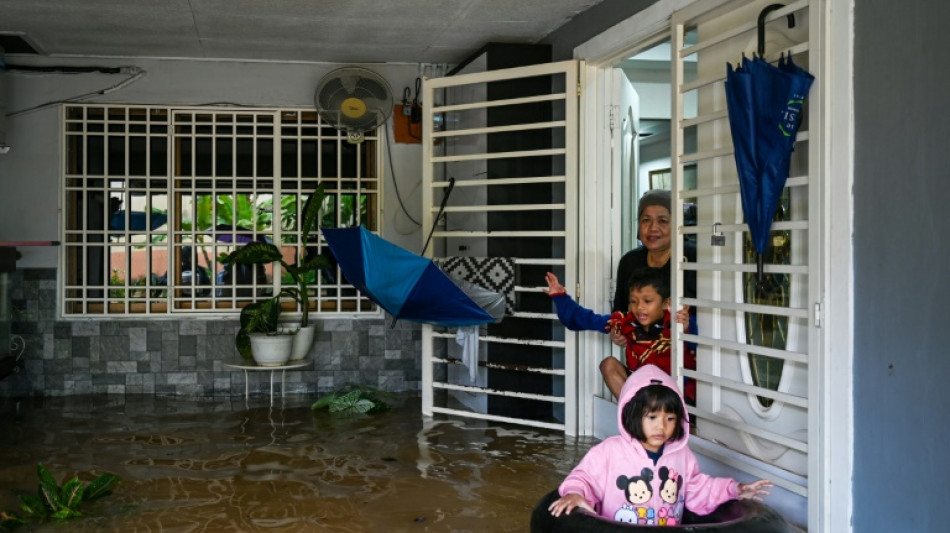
49,489
100,487
32,505
71,493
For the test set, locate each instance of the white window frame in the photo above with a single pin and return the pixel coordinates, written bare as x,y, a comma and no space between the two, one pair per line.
168,185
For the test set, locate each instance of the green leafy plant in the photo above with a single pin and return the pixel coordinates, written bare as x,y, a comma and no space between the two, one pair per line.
55,502
263,316
352,399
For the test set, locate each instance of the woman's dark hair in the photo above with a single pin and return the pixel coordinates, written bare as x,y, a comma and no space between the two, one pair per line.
649,399
658,278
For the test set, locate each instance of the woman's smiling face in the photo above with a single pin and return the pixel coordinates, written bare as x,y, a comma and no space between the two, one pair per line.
654,228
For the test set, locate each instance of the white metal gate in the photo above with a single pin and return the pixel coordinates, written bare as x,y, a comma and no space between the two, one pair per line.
505,150
758,341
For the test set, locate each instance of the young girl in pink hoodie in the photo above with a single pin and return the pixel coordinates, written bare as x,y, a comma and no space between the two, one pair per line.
647,474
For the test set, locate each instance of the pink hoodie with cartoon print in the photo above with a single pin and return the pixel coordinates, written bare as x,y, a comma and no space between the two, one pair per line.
621,483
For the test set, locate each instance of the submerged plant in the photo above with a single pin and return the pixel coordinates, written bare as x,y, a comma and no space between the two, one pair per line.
352,399
56,502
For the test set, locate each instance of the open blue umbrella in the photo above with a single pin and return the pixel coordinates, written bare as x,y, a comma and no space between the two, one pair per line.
765,107
408,286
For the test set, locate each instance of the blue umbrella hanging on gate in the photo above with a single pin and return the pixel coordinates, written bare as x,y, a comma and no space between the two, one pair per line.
407,285
765,109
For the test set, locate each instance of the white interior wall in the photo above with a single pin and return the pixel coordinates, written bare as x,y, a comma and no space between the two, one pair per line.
30,172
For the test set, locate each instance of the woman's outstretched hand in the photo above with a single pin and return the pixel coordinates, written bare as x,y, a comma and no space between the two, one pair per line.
554,286
754,490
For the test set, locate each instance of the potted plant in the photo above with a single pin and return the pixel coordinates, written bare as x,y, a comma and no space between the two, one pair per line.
260,337
266,314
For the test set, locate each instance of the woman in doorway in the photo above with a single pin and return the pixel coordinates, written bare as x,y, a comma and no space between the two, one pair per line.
653,230
654,226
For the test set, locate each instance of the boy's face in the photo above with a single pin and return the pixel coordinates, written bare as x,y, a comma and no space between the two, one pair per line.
647,305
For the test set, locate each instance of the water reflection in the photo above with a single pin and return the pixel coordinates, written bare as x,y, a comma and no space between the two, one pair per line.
217,465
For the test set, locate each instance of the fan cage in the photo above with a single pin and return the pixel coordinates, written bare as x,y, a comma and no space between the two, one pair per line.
354,99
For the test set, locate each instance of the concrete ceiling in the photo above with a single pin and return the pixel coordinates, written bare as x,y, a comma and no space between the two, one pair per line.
333,31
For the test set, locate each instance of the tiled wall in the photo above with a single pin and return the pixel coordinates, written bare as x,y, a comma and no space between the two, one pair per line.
185,357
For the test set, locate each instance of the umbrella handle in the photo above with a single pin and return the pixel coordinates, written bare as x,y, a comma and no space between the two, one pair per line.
764,13
445,199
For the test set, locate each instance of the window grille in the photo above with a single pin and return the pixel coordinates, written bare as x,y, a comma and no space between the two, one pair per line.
154,196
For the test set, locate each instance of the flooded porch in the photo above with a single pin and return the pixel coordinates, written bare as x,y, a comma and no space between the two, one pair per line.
212,464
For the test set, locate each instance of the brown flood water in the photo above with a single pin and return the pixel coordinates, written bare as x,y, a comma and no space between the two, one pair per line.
208,465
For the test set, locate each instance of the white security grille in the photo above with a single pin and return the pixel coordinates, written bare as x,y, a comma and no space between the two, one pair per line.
507,140
758,342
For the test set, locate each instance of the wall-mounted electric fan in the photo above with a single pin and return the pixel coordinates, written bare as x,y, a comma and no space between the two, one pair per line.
355,100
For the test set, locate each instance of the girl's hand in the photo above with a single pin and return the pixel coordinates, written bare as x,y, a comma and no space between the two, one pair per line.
682,318
566,504
754,490
554,286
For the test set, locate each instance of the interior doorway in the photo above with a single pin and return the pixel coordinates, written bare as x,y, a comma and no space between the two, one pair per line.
643,118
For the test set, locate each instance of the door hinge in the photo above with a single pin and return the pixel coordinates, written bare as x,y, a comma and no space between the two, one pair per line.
612,116
579,91
818,315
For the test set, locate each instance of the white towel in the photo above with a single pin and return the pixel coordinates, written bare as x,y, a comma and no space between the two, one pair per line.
467,338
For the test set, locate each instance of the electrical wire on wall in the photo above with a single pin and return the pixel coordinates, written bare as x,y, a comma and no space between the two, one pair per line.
392,172
134,74
412,108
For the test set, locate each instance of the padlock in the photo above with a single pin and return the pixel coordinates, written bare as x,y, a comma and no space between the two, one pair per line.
718,239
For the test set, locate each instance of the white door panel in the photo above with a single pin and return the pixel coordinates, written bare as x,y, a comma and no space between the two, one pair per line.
758,343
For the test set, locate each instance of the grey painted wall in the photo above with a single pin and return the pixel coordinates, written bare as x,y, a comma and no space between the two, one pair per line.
901,255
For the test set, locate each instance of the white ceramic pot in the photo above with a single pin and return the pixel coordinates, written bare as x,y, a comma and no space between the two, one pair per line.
273,349
303,340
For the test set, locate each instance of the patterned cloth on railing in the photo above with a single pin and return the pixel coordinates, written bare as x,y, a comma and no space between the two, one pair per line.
493,273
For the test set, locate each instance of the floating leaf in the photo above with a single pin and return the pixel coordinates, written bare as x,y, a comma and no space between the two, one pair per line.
65,513
323,401
49,495
100,486
9,521
353,398
32,505
71,493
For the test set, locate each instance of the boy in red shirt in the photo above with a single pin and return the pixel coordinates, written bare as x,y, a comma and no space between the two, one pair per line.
646,327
